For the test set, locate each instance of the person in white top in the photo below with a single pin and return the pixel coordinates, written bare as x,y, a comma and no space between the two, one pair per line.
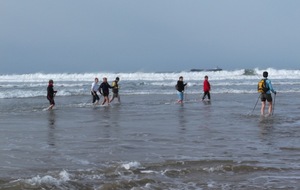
94,90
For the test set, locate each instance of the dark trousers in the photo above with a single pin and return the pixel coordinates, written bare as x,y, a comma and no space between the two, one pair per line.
206,93
95,97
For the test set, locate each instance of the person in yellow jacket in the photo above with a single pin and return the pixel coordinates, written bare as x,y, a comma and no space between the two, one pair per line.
115,89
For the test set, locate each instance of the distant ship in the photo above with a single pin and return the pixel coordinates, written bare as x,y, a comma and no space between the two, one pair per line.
200,70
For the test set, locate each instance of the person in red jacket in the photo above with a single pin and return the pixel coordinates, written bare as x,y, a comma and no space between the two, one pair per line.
206,88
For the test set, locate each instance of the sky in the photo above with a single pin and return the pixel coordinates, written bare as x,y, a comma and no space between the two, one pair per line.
147,36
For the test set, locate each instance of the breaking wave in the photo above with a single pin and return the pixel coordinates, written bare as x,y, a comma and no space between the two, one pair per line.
72,84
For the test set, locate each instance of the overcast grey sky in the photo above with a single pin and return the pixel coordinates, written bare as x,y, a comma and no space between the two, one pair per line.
154,35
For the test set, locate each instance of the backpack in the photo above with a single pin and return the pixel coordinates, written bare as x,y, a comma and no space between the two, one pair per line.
176,87
115,87
262,86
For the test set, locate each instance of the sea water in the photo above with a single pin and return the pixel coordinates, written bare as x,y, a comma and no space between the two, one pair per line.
149,141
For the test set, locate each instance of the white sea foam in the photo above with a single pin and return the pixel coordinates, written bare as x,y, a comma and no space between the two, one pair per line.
63,177
131,165
148,171
139,83
220,75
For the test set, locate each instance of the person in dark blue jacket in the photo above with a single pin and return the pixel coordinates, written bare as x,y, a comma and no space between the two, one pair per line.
104,90
180,89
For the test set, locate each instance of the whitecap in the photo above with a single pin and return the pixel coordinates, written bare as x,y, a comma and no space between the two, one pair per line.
131,165
64,176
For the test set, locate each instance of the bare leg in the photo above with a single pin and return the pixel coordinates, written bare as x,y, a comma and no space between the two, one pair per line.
105,100
270,108
113,97
50,107
262,110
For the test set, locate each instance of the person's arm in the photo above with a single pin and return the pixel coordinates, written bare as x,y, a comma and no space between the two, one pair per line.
113,84
271,87
92,87
100,87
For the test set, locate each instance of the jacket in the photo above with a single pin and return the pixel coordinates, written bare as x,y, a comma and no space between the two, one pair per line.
206,86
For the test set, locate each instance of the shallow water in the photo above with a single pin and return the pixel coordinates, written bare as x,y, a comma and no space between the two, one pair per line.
150,142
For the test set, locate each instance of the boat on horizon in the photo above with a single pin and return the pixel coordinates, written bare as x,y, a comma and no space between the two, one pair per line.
200,70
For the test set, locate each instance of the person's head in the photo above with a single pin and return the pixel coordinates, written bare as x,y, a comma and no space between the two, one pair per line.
117,79
96,79
181,78
104,79
206,77
51,81
265,74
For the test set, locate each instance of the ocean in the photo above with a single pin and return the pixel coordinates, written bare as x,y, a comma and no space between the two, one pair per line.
148,141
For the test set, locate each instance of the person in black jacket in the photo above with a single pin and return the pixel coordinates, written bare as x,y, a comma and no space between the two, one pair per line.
104,90
180,88
50,94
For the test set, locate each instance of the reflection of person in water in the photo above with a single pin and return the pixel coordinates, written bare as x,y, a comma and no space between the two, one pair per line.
182,121
51,128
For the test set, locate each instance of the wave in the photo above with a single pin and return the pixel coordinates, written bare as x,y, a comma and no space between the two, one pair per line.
144,76
85,92
170,174
142,83
250,72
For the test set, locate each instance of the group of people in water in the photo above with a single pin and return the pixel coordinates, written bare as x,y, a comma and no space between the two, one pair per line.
103,89
265,89
180,86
